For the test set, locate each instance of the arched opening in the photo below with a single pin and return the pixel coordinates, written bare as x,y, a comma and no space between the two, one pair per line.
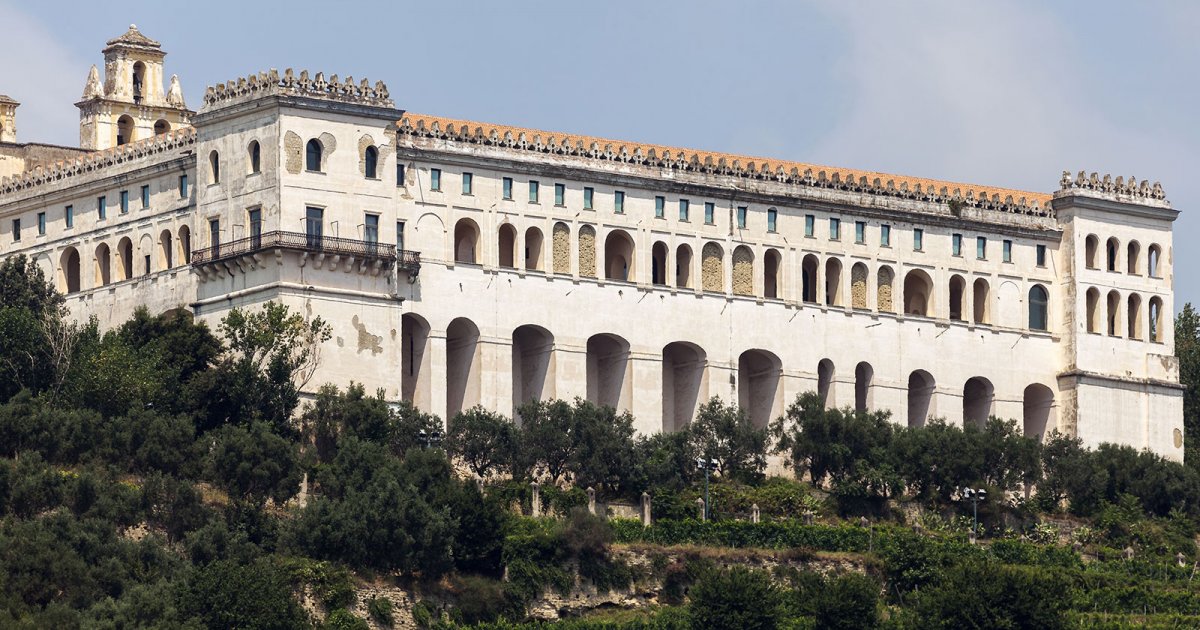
920,397
68,265
1112,251
743,271
1091,250
1133,258
1134,317
125,256
312,155
957,287
858,286
978,395
415,387
1038,415
532,365
1093,310
587,251
863,375
760,387
214,167
1152,256
466,241
1114,314
609,377
125,129
772,268
883,289
1156,319
825,383
918,293
658,263
462,366
808,272
161,126
618,256
146,252
683,267
561,251
833,282
166,250
371,163
712,268
506,246
533,249
139,81
684,383
255,157
185,244
1039,307
981,305
103,265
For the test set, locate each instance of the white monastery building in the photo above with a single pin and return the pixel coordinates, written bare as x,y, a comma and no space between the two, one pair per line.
463,263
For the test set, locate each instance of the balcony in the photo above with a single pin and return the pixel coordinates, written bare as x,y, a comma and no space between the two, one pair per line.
384,255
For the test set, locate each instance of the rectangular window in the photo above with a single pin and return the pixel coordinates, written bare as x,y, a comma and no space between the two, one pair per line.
810,225
588,196
918,239
145,197
41,224
183,186
1007,251
619,202
399,174
214,234
467,181
860,232
660,207
772,217
102,208
885,235
835,229
146,265
255,217
400,235
560,194
533,191
16,230
710,212
314,226
742,211
1041,255
981,248
371,228
683,209
124,197
435,179
956,244
506,188
69,216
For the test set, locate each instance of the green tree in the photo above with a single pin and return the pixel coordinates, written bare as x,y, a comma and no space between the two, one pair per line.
36,344
545,443
603,448
724,433
735,598
990,595
838,445
225,594
483,439
254,464
1187,348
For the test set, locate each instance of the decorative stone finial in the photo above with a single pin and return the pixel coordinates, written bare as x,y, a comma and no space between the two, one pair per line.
175,93
92,88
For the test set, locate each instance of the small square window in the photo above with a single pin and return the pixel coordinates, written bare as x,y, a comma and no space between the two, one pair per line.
560,194
835,229
124,197
41,223
102,208
710,212
145,197
742,211
435,179
772,217
860,232
981,248
683,209
918,239
69,216
16,232
506,188
619,202
956,244
588,196
399,174
1041,255
468,181
183,186
810,225
1007,250
533,191
660,207
885,235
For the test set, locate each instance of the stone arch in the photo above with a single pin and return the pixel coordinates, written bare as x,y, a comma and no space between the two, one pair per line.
684,383
68,265
185,244
833,282
609,374
981,303
587,251
161,126
126,130
532,365
214,167
370,162
1039,308
619,256
253,157
166,250
978,397
561,248
920,397
858,286
958,287
139,82
1152,260
103,265
1157,332
712,268
883,296
1133,258
864,392
1091,251
658,263
466,241
415,385
1134,317
683,266
808,280
146,251
1038,414
125,258
463,383
533,249
314,156
1093,310
506,246
760,386
1113,314
772,273
743,271
1112,251
826,385
918,293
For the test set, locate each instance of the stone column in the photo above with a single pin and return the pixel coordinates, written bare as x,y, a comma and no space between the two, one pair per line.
496,385
754,514
437,373
535,499
591,494
700,509
647,405
570,367
645,509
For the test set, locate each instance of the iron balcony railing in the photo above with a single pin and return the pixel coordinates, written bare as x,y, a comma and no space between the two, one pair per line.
300,241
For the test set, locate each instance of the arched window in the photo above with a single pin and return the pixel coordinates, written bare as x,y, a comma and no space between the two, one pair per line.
883,289
371,162
533,249
166,250
161,126
103,265
69,268
1134,317
1114,314
683,267
833,282
1113,250
1093,310
125,129
808,271
858,286
1133,258
772,265
658,263
1039,302
743,271
255,153
981,304
1156,319
1092,244
918,293
618,256
712,268
125,254
466,241
507,246
957,288
214,168
1152,256
139,81
312,156
185,244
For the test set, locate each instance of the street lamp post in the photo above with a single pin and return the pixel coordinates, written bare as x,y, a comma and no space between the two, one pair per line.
707,466
429,438
974,495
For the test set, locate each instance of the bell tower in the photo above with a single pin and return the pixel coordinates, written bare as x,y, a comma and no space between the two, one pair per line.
130,104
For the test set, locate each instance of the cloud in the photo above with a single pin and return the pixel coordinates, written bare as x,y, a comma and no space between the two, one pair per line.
43,75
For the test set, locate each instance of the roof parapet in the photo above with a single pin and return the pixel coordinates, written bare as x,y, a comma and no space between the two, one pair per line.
271,83
1118,189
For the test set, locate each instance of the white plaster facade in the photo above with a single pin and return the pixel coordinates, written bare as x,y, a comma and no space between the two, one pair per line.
599,294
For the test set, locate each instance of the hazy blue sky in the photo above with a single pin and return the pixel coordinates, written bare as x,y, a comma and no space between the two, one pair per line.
1002,93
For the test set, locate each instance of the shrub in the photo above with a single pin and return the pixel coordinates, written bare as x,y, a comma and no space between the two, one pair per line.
735,598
